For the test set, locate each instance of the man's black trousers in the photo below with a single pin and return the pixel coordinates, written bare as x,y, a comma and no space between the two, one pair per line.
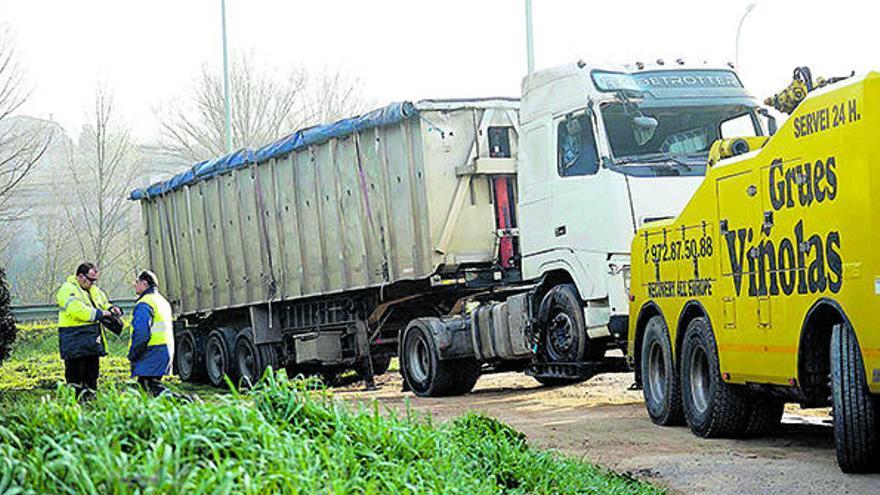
82,372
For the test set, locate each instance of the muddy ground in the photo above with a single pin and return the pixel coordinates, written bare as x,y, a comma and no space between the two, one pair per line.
604,423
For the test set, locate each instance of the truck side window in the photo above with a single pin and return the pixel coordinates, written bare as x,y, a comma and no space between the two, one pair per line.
576,147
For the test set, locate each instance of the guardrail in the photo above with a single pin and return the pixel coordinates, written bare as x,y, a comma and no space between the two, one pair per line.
29,313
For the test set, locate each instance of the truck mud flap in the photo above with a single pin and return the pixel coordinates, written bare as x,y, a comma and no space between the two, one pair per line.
578,370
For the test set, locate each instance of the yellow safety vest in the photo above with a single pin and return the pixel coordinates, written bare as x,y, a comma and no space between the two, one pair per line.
77,307
161,328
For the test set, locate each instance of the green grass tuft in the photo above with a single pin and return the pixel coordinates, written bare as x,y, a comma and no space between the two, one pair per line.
283,436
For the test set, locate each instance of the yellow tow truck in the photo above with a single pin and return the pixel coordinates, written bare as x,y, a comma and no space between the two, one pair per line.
766,288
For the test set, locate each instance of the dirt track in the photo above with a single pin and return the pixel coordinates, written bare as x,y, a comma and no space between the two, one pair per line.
601,421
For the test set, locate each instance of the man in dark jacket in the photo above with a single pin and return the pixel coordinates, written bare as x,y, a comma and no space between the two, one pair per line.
152,335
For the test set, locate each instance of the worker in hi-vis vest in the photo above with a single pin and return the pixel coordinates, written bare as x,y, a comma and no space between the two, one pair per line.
152,336
81,338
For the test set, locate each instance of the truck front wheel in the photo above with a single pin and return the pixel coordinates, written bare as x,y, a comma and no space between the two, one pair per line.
661,386
854,408
712,407
424,372
562,316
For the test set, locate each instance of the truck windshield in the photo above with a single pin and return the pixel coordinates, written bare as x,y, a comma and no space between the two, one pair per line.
675,136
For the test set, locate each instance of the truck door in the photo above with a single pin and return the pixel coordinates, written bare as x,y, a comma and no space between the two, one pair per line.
778,272
740,325
578,198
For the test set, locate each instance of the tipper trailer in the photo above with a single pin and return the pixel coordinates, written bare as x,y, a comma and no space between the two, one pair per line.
764,289
467,236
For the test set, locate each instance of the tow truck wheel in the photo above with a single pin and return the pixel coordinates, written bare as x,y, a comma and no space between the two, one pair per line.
188,355
424,372
712,407
218,357
855,410
661,386
562,315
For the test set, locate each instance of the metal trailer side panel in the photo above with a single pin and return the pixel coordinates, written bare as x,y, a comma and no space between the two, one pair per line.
330,227
374,196
351,214
216,241
252,245
162,253
233,249
311,241
289,227
180,221
405,242
267,206
201,262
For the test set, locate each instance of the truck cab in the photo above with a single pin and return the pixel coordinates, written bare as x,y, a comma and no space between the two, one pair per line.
602,151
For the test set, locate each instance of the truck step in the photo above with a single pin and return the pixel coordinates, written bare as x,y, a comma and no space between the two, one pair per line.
578,370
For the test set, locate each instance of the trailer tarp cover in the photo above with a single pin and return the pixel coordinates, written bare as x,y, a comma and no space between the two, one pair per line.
388,115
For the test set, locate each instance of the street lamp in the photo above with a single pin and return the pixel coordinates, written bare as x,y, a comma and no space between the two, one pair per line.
530,49
750,7
226,81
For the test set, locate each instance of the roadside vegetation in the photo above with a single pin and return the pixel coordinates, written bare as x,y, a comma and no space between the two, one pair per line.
283,436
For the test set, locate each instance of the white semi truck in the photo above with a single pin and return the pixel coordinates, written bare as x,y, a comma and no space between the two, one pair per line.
467,236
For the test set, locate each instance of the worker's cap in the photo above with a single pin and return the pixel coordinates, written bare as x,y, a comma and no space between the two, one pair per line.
149,277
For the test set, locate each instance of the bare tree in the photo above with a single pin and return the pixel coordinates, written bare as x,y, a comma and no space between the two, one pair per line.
21,146
265,107
103,167
331,96
53,262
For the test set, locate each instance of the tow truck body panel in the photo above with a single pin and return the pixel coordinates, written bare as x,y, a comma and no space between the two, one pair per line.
769,236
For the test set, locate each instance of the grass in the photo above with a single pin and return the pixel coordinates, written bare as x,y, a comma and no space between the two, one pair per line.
283,436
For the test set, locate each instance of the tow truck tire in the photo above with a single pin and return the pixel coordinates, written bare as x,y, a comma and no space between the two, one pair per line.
219,357
565,331
764,417
660,380
189,356
854,408
712,407
425,374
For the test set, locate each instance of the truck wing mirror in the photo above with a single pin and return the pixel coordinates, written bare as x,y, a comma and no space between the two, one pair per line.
772,127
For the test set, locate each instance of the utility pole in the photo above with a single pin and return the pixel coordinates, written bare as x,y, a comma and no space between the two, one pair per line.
750,7
530,49
226,80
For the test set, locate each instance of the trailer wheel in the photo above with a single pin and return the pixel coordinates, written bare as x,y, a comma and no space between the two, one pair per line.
218,357
854,408
424,372
712,407
189,357
248,362
562,314
764,417
661,386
